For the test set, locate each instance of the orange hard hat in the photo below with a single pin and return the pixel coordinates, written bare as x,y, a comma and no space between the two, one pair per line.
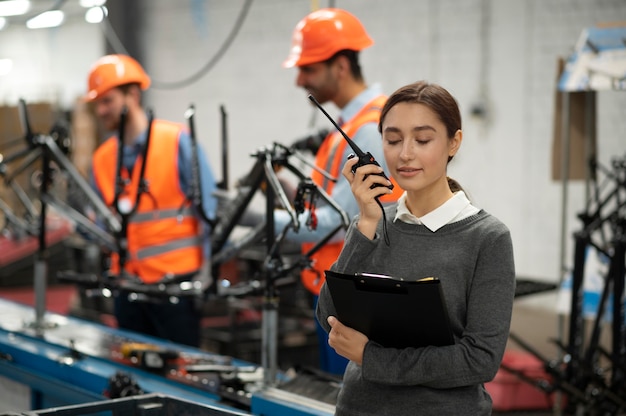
323,33
111,71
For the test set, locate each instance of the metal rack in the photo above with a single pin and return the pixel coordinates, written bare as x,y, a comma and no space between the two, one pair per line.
591,378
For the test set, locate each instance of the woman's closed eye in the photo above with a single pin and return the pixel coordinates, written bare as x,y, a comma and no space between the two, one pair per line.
392,142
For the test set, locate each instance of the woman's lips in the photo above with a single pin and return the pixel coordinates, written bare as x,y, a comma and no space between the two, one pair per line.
408,172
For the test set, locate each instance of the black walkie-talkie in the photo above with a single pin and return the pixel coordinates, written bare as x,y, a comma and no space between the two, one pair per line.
364,158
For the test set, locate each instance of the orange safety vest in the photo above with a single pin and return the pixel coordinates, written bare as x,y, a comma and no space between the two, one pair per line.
163,239
329,158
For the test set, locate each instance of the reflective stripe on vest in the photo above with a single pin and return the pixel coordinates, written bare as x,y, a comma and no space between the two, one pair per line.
148,252
155,215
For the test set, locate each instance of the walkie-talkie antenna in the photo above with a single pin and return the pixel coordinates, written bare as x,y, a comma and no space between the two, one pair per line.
353,145
363,158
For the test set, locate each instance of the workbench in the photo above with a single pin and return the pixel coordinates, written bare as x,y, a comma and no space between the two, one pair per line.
64,361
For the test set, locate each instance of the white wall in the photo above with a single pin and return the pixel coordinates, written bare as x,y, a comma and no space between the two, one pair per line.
49,65
502,52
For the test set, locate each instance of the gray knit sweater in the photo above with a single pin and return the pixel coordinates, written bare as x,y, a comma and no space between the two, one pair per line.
473,258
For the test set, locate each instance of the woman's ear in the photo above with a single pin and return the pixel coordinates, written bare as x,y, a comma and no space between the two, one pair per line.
455,143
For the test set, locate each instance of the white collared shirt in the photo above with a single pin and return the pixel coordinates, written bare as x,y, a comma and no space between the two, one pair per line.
454,209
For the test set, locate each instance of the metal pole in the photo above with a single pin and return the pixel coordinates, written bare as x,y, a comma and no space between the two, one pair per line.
40,264
565,151
269,342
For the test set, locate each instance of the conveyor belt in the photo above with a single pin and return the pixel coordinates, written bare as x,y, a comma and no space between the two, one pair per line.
80,359
96,351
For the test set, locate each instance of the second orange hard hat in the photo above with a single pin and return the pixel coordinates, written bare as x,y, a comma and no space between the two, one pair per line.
112,71
323,33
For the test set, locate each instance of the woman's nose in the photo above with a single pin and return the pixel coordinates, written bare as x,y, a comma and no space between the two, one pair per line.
407,152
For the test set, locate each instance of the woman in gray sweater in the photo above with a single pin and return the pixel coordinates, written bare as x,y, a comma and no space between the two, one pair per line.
433,230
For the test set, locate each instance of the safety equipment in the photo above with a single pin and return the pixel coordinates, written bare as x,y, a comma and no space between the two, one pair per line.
111,71
323,33
163,238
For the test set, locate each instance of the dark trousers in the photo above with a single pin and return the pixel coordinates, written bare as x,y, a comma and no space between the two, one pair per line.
178,322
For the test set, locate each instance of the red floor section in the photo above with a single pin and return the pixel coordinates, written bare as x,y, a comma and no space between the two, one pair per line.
59,298
12,250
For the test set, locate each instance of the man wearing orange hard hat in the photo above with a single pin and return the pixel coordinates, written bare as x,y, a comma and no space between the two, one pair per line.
164,236
325,50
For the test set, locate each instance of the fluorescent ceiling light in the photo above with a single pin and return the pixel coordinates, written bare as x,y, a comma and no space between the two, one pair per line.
92,3
95,14
14,7
6,65
3,22
52,18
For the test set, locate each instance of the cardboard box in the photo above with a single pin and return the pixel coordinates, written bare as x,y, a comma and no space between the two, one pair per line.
581,131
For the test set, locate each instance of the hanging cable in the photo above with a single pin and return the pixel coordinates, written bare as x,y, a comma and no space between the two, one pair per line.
110,34
118,46
164,85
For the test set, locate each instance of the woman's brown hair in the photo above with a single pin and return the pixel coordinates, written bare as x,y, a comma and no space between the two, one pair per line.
435,97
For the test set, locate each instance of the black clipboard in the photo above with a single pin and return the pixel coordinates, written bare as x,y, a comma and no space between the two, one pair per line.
393,312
